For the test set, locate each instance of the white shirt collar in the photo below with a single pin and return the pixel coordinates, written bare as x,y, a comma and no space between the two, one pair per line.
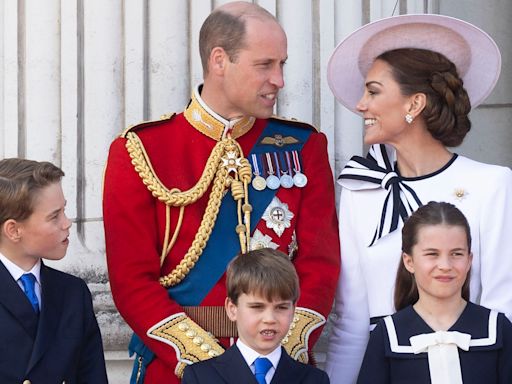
250,354
16,271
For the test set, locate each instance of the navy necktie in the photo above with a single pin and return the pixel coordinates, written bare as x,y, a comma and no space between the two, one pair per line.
28,280
261,367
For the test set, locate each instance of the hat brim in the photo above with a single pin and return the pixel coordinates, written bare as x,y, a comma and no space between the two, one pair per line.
474,53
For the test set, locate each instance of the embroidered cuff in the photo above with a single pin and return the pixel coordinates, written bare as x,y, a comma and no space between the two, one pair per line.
304,322
189,340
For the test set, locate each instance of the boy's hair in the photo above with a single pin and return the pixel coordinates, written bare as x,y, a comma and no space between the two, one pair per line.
433,213
266,272
20,180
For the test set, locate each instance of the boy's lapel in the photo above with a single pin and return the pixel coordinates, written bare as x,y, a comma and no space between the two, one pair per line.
233,368
288,370
15,301
52,306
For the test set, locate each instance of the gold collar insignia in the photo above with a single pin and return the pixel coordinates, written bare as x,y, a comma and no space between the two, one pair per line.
206,121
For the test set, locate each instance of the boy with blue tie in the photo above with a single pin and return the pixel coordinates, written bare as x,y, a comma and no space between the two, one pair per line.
262,288
48,331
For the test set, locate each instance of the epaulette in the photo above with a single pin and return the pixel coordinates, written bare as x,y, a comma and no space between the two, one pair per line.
295,122
146,124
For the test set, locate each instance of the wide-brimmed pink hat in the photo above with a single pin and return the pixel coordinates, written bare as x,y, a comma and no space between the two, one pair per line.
474,53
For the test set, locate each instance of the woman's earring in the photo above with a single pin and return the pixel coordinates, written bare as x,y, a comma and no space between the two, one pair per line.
409,118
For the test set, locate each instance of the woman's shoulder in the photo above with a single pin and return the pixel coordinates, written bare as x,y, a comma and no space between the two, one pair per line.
478,166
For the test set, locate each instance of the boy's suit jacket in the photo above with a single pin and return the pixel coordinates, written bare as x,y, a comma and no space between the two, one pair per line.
64,344
231,368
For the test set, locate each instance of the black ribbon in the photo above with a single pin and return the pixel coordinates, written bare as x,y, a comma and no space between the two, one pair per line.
377,171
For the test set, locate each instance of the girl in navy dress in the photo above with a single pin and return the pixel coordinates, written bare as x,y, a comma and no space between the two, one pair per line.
438,336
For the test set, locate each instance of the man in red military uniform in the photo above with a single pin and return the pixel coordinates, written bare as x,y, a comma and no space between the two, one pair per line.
183,195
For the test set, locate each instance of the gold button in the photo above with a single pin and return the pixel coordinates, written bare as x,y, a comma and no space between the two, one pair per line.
190,333
183,327
27,382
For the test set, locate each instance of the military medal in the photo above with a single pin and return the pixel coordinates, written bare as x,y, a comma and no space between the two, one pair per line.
273,181
258,182
299,179
277,216
286,179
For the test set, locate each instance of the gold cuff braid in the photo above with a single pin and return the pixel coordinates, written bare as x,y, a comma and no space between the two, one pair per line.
191,342
304,322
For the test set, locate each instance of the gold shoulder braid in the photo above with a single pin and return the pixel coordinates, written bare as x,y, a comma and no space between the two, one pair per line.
227,167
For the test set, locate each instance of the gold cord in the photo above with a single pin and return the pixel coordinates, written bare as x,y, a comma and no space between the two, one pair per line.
226,166
178,227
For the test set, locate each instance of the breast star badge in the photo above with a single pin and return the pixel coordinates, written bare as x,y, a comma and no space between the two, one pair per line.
277,216
259,241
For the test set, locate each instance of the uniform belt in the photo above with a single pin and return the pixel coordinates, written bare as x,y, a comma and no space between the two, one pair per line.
213,319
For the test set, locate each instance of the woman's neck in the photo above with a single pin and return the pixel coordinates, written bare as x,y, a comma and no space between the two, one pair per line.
419,154
440,315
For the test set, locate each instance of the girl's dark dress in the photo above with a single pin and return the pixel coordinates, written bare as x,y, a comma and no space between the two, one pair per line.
488,360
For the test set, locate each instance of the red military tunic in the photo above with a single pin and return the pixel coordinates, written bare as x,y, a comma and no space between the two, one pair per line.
135,226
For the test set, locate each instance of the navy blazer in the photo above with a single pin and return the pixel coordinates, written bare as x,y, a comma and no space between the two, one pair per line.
231,368
64,344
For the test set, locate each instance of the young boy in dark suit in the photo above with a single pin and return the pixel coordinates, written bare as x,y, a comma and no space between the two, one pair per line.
48,331
262,289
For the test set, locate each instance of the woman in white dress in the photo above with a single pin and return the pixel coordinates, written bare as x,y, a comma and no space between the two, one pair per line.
419,77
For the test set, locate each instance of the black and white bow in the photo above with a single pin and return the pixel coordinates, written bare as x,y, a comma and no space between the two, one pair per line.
377,171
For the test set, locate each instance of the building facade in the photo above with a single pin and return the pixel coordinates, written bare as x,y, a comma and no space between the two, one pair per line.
73,74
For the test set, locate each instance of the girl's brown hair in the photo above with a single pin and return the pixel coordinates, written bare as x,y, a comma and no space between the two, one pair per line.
434,213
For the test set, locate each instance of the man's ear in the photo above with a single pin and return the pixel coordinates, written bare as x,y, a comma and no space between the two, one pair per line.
217,62
11,230
231,309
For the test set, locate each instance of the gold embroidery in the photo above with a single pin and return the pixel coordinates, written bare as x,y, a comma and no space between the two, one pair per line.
304,322
207,123
191,342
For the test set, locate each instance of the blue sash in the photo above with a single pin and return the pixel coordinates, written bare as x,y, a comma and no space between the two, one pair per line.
224,244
